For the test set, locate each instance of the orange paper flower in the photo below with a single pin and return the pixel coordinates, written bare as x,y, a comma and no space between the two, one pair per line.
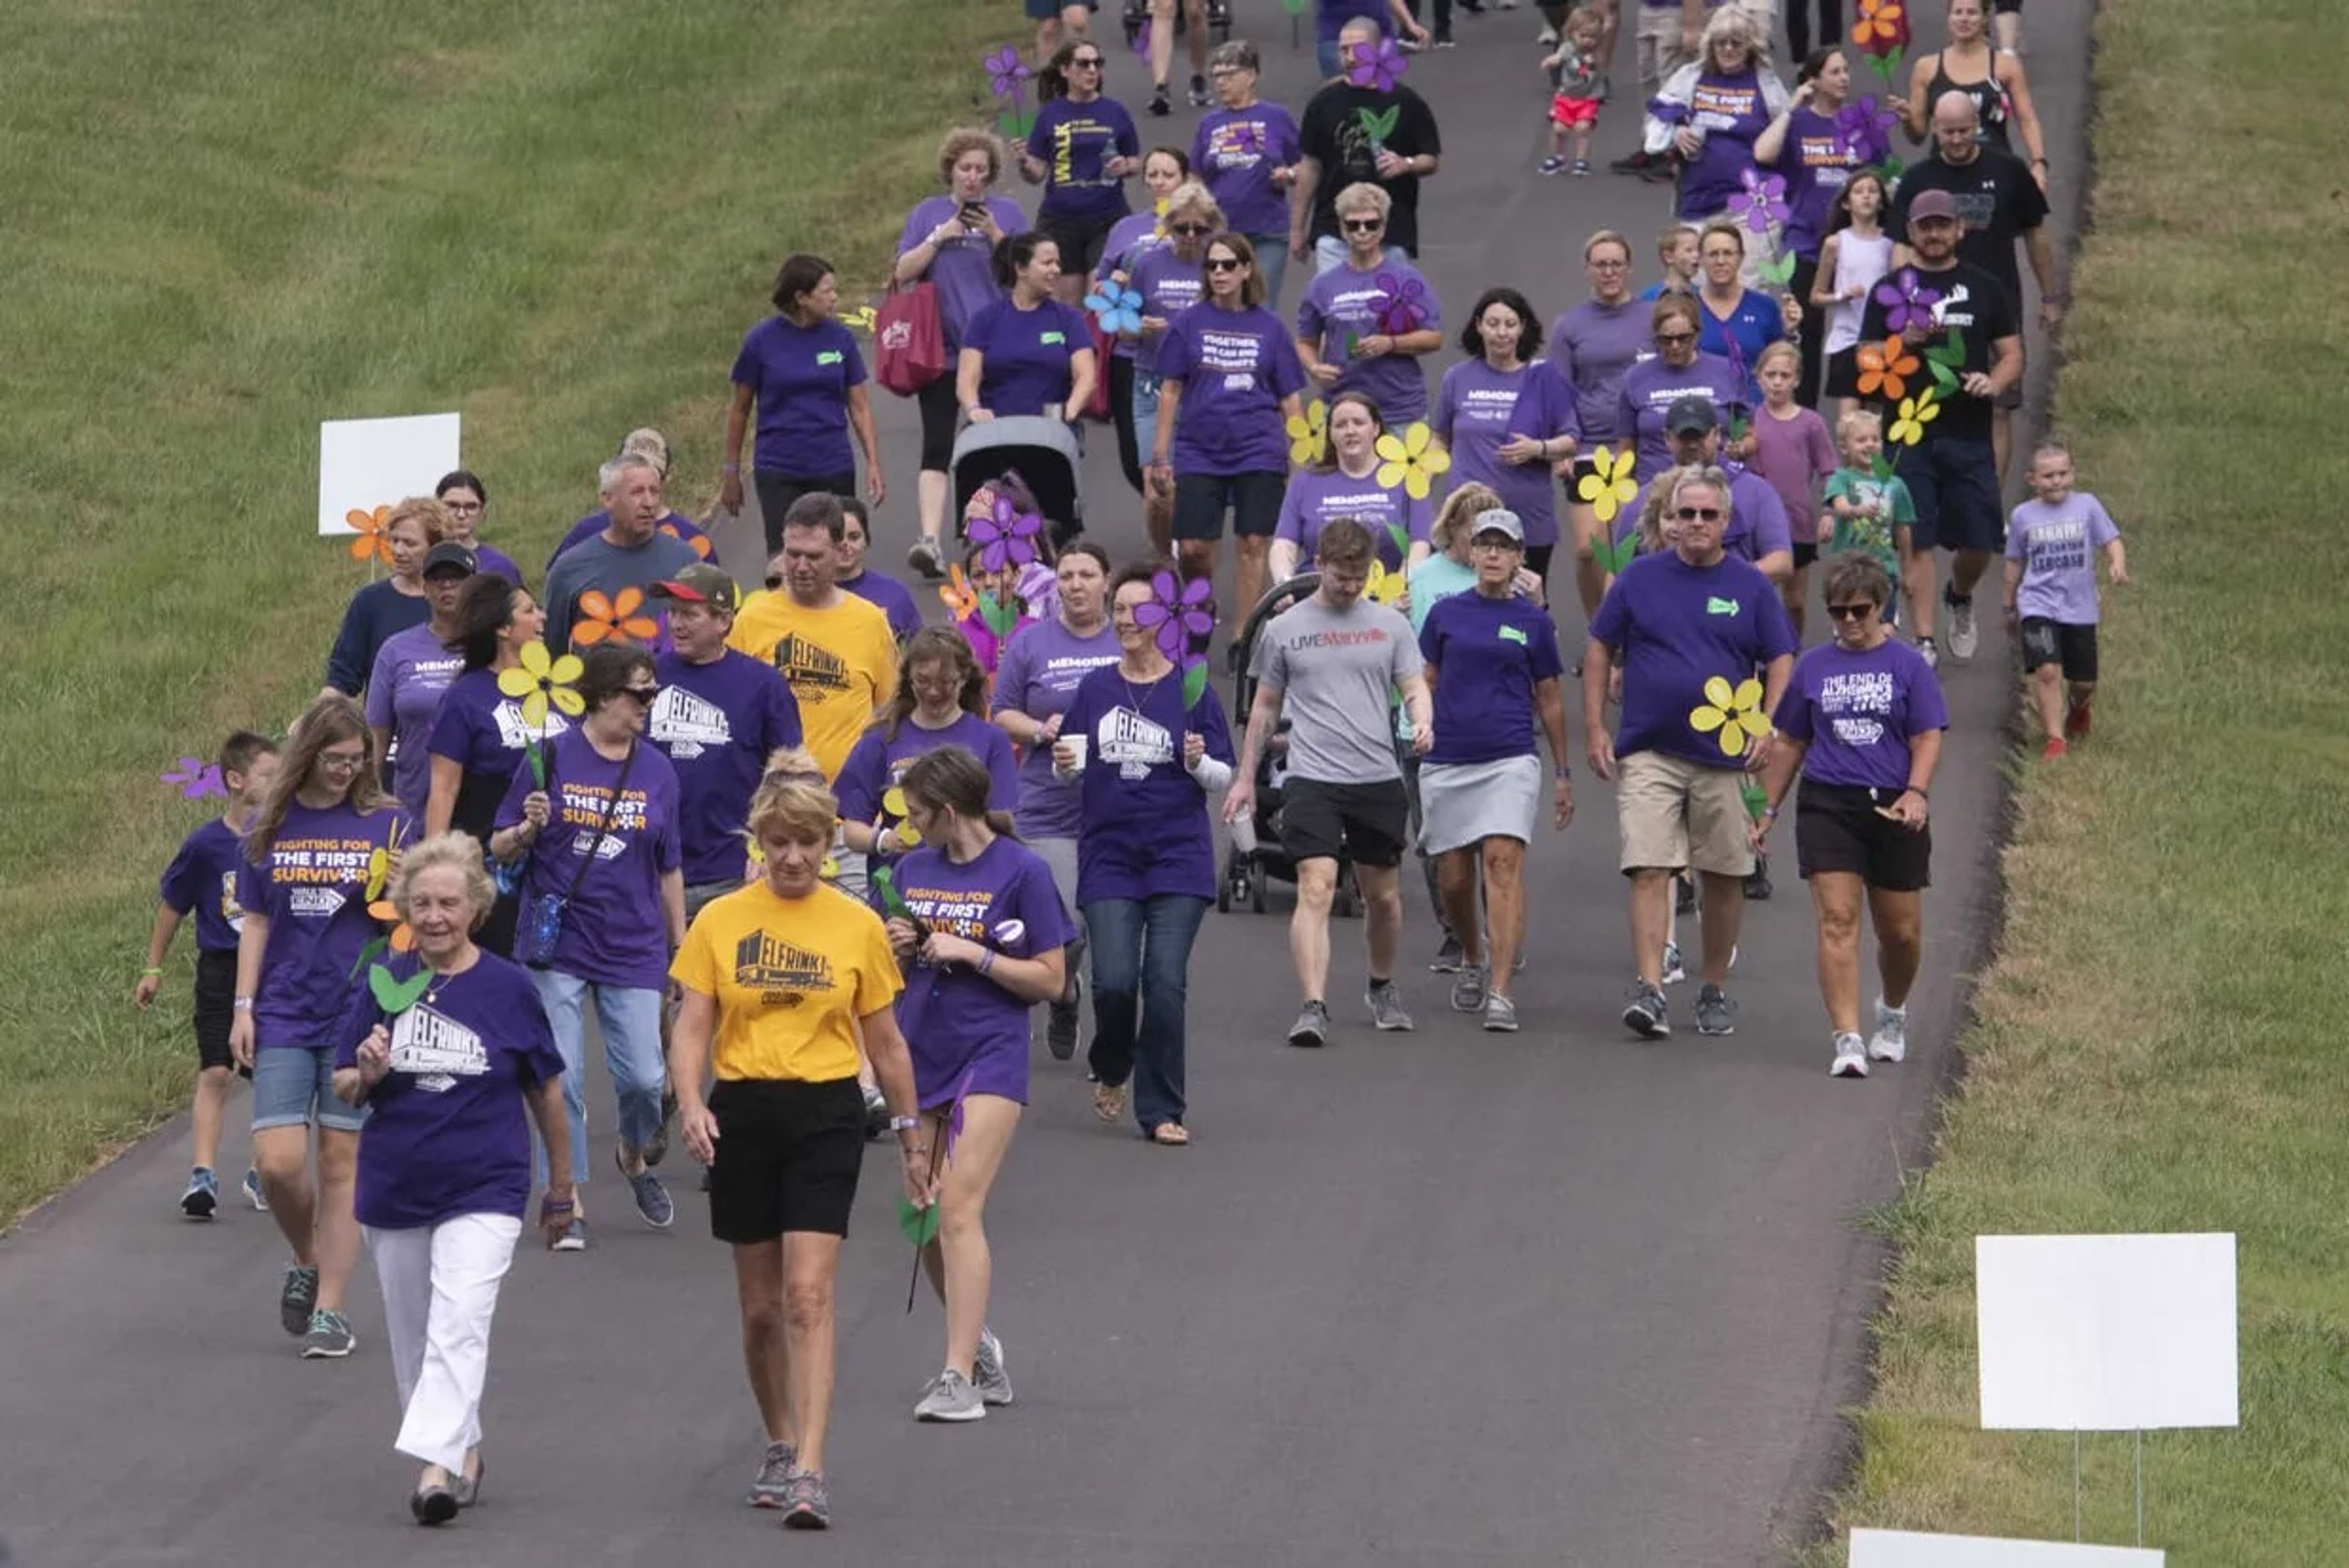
1881,28
370,541
700,542
1885,368
402,940
601,618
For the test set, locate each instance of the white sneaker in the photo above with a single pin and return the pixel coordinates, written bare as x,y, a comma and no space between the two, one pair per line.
950,1397
1890,1041
1850,1060
1964,636
1674,970
1931,652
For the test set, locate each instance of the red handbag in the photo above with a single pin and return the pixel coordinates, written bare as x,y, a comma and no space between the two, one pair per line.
1096,407
910,341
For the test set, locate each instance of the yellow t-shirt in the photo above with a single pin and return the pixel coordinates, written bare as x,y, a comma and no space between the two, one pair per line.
791,977
842,664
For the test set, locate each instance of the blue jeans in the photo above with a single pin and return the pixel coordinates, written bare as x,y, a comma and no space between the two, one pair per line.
1329,254
1271,265
1142,964
631,1021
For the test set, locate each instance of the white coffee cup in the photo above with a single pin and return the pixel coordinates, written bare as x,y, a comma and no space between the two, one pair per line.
1069,751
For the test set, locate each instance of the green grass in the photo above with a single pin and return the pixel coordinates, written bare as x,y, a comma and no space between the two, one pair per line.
2156,1049
232,219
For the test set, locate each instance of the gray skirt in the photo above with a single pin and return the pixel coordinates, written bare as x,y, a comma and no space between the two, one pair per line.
1464,803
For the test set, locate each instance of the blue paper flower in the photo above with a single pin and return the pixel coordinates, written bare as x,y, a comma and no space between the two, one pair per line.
1117,309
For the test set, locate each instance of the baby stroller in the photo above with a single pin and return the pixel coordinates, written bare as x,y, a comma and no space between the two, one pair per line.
1253,855
1044,454
1219,20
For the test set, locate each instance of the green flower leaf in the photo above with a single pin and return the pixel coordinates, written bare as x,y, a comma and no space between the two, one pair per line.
396,996
1944,379
920,1225
1195,683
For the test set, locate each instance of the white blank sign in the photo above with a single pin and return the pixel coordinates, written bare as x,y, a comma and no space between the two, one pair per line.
1901,1549
2106,1334
366,463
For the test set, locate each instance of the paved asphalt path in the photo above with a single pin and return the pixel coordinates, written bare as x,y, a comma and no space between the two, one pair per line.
1427,1298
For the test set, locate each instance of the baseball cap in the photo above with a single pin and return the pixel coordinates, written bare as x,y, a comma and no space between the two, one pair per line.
1497,520
1691,416
701,584
450,556
1933,204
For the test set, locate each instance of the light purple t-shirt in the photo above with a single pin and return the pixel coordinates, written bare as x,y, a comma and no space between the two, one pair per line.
1342,305
1794,456
1316,495
1478,408
1039,676
963,268
1650,389
1859,711
2057,546
1592,346
1236,367
1168,285
1234,154
614,931
412,669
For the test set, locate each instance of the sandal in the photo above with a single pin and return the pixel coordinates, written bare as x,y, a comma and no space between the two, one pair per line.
1171,1135
1108,1102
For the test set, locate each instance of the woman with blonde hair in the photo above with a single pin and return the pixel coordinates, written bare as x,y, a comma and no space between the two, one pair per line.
941,700
1171,278
390,604
1732,76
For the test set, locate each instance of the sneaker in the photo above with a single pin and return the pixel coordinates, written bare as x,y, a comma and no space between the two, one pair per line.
1312,1027
950,1397
1890,1041
202,1195
657,1147
1160,105
254,1194
806,1505
330,1337
1931,652
1684,897
1554,164
1449,958
655,1207
574,1238
1444,41
1198,92
1964,636
1579,168
2076,723
1674,970
987,1372
1500,1014
1662,171
2054,749
1060,1031
1715,1013
1385,1002
1850,1061
1757,885
1645,1014
298,1299
922,555
1468,989
768,1487
876,1114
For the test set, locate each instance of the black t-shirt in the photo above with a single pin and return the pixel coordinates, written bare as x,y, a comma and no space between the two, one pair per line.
1975,306
1997,201
1335,134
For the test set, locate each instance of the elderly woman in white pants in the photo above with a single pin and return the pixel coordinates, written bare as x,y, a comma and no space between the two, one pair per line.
450,1051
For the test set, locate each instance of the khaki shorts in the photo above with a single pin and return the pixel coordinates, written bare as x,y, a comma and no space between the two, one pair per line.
1656,43
1673,814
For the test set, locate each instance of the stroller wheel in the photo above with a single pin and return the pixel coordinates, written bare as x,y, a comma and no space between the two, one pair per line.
1347,902
1224,884
1254,882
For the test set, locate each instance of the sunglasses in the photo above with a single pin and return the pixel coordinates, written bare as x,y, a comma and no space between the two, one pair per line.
644,695
1087,63
1698,514
1224,264
1364,225
1676,337
1850,611
1190,231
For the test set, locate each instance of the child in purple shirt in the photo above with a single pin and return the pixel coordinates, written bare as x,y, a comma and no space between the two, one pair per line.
2050,591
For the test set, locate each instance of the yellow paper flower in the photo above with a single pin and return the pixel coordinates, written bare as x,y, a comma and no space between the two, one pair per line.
1611,487
1734,711
1916,413
1308,434
1412,458
892,805
541,679
1384,587
858,320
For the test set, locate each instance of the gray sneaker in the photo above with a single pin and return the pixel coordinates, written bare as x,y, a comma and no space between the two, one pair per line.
986,1370
1312,1027
806,1505
1500,1014
950,1397
1715,1013
1468,988
1850,1060
772,1485
254,1196
1964,636
1647,1015
654,1205
298,1299
1890,1041
574,1238
1385,1002
330,1337
1674,970
922,555
1448,957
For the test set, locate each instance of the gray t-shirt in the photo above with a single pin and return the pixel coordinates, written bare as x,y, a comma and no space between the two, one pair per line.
1339,669
595,564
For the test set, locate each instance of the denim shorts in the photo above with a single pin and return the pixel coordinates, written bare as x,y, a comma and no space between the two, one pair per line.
290,1082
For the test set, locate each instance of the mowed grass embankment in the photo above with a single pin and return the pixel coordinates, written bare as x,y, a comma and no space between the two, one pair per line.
231,220
2160,1047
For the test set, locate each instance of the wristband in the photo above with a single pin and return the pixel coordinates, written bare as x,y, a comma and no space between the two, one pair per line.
1913,789
553,1205
903,1123
1562,773
1769,813
730,469
144,973
986,960
242,1005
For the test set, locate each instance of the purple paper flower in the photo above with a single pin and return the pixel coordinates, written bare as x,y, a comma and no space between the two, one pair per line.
1005,536
1762,203
1142,39
196,778
1375,66
1400,312
1006,71
1181,612
1864,130
1907,303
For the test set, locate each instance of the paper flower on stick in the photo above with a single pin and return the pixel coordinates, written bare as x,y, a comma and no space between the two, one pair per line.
1731,715
699,542
1141,44
861,319
1308,434
1779,269
1885,368
602,616
1384,587
1882,28
396,996
401,939
1864,130
959,595
1907,301
1400,312
1608,487
541,681
1007,73
1411,460
1181,612
1117,309
1005,535
372,541
1761,201
1946,361
1379,124
1375,66
1916,413
195,778
894,831
1294,7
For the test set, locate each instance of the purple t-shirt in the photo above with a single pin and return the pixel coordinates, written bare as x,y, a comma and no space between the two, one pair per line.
1318,496
1753,325
448,1129
1341,305
800,377
202,881
1145,828
614,931
891,597
1757,524
1732,112
1859,711
1024,355
718,723
1816,162
879,759
489,558
1649,388
1234,153
1168,285
480,730
1489,654
677,525
1236,367
1795,457
2057,546
312,889
1592,346
963,269
1039,676
1075,142
1478,408
412,669
955,1019
1677,627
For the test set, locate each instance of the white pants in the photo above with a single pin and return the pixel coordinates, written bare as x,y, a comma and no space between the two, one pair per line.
440,1289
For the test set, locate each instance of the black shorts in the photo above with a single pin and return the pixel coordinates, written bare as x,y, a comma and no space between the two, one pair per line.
1081,241
1805,554
776,493
2046,642
1953,479
1836,829
1843,373
1045,10
1253,499
1367,824
789,1154
216,1007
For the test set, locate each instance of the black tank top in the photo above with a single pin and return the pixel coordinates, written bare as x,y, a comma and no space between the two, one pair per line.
1990,98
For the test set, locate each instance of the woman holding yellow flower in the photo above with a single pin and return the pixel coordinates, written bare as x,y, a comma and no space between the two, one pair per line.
1353,480
941,701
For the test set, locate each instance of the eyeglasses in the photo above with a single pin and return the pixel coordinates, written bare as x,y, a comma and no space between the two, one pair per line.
1189,230
1224,264
342,761
463,508
1698,514
1676,337
644,695
1364,225
1850,611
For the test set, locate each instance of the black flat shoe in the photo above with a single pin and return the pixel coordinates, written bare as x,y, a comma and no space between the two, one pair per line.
433,1505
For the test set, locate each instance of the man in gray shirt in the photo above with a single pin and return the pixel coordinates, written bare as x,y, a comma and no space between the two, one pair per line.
1335,660
630,553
